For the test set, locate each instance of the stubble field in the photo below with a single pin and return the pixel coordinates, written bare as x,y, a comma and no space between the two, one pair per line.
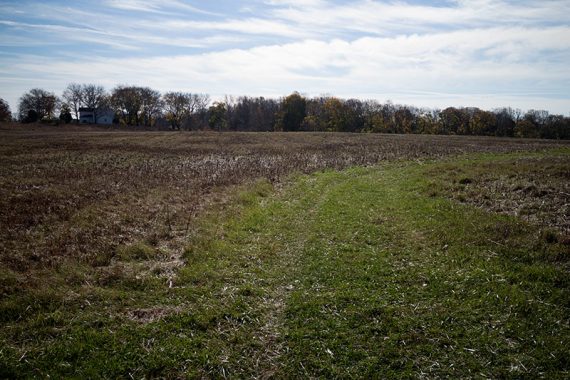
198,254
78,195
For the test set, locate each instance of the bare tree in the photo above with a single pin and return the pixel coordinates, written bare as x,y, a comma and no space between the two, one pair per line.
151,104
73,97
181,107
199,102
176,106
94,97
197,111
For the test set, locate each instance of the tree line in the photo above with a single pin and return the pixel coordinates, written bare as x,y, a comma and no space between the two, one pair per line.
143,106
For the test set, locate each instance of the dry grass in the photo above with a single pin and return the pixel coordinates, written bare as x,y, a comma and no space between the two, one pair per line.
164,255
72,193
534,188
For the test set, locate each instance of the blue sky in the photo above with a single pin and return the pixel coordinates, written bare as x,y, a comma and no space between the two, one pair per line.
426,53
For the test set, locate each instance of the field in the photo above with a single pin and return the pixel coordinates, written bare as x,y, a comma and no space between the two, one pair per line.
154,254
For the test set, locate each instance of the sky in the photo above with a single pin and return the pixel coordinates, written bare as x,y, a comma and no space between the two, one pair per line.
483,53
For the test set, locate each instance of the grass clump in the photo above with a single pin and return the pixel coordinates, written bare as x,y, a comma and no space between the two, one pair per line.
137,251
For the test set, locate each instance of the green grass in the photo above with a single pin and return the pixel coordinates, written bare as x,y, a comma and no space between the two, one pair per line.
366,272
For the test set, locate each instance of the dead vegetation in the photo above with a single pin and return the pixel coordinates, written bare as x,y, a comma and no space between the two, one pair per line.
71,194
169,254
536,189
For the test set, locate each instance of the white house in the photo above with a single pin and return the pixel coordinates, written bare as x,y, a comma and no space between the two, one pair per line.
104,116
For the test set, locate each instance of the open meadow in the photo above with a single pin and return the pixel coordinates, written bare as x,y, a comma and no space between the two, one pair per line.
225,255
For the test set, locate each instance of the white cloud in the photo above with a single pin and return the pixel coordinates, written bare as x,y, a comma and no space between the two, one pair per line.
125,40
470,51
288,20
135,5
155,6
375,17
253,26
297,3
474,67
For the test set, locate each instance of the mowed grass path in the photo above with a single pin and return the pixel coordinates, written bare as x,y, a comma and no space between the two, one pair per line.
352,274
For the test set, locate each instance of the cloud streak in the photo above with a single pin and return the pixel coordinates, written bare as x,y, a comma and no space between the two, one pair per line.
468,52
156,6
